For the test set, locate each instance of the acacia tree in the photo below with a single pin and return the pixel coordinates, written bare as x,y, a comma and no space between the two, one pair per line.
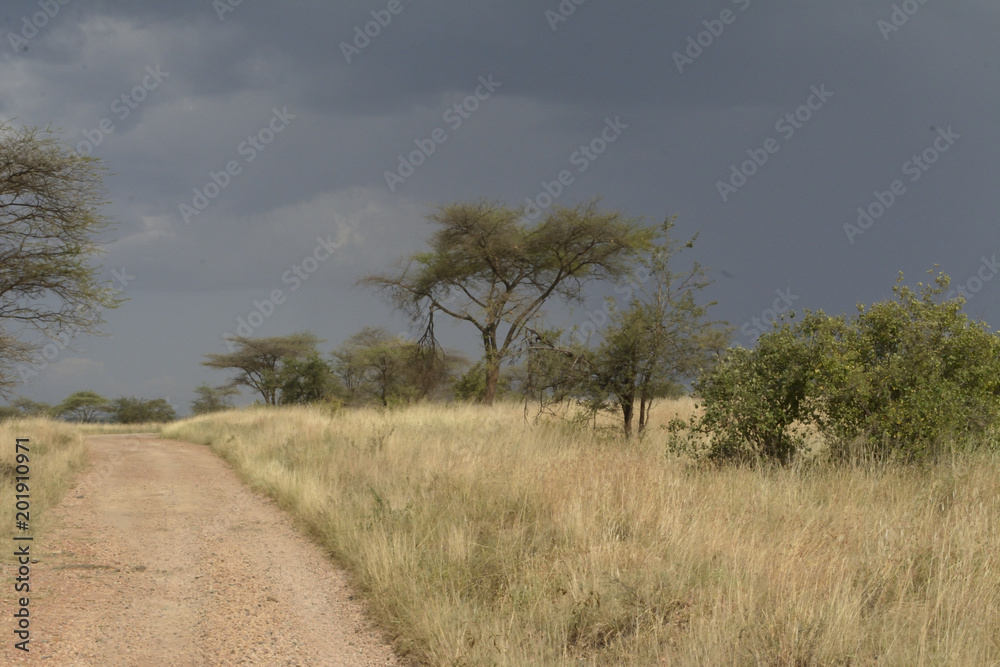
25,407
374,364
30,408
50,222
82,406
306,380
489,267
348,365
258,360
132,410
647,348
660,339
386,362
212,399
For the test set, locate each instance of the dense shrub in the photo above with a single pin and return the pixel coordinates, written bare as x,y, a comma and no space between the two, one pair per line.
753,399
902,378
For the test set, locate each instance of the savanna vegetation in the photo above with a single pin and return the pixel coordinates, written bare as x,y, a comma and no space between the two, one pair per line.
94,412
648,494
491,269
827,497
481,538
911,378
56,453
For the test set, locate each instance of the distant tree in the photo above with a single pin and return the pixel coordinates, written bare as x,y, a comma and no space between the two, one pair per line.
350,365
308,380
132,410
662,338
25,407
258,360
212,399
374,364
489,267
646,351
159,410
50,228
83,406
30,408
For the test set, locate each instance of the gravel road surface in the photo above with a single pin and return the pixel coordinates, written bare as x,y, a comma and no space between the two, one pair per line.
161,556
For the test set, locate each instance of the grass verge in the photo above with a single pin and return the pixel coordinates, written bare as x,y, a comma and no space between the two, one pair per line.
480,539
56,454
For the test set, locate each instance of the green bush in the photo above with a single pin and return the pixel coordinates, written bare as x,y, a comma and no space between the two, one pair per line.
752,399
903,378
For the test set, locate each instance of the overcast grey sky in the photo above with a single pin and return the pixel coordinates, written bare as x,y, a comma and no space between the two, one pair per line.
261,146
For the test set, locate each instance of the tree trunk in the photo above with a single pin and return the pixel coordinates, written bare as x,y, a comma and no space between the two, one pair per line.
645,406
492,380
492,359
628,409
643,414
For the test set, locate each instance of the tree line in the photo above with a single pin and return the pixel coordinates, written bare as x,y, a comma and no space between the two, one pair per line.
904,377
91,407
490,267
372,366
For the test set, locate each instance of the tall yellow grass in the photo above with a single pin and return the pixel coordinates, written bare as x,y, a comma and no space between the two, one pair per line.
56,453
481,539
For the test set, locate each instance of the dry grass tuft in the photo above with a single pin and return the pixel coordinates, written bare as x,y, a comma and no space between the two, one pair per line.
478,539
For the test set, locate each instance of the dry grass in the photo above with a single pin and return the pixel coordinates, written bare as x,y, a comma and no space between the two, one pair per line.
56,453
479,539
109,429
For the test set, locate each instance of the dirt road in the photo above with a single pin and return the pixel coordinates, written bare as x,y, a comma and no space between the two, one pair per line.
160,556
